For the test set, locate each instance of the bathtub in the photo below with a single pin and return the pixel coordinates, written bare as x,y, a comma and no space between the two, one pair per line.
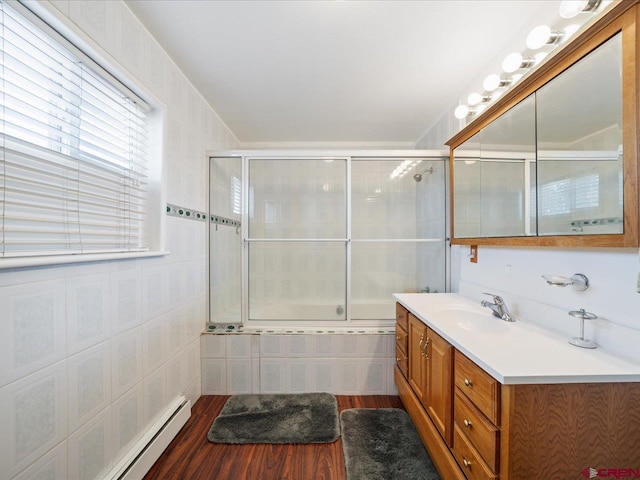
324,312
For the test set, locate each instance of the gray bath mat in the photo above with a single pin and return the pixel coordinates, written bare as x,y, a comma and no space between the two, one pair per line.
382,444
279,418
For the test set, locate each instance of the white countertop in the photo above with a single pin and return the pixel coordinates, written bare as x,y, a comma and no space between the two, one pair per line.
514,352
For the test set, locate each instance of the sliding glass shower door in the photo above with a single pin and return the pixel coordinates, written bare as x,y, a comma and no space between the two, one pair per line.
330,239
297,239
324,241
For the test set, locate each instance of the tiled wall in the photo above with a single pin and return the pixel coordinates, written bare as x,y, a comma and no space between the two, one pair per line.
294,200
343,364
92,354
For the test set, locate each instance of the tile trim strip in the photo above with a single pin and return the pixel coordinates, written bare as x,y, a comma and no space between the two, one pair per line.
187,213
228,222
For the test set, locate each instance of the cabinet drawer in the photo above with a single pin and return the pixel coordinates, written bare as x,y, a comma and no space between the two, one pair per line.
401,339
402,316
468,458
481,388
402,361
480,432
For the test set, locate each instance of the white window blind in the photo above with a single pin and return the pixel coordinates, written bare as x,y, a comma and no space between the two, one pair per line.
555,197
73,151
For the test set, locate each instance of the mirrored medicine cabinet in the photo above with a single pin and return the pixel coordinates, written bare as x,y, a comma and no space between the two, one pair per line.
554,162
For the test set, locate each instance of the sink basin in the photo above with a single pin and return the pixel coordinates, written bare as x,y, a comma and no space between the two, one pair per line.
473,319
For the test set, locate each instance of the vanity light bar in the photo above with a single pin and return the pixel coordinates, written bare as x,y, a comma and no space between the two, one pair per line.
541,36
184,212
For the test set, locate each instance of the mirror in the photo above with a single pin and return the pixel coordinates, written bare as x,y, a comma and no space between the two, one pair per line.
552,164
579,122
493,174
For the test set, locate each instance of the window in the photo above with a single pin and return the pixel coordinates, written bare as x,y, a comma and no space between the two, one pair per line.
562,196
236,195
555,197
586,191
73,151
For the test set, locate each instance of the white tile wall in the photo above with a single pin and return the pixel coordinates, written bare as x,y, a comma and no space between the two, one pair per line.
51,466
88,311
90,453
34,332
214,376
126,296
358,364
92,354
155,339
239,376
175,376
155,395
33,412
127,420
89,389
126,361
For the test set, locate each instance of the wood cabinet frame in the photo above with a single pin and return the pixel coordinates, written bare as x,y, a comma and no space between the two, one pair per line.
624,17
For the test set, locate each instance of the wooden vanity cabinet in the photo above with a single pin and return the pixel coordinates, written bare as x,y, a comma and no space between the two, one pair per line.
402,339
476,420
417,373
438,393
430,375
476,428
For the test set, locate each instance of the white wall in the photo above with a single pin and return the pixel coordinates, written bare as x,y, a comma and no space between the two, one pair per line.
91,354
515,273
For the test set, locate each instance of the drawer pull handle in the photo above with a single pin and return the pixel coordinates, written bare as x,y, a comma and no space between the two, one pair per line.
467,423
468,382
397,337
398,359
466,463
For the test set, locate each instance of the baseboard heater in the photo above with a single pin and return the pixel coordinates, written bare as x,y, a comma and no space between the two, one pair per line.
148,449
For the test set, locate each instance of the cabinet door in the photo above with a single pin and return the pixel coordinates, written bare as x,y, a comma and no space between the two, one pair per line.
417,339
438,392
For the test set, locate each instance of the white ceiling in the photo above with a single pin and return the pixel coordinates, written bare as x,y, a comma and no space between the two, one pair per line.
372,72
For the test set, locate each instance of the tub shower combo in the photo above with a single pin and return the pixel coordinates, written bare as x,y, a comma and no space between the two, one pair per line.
324,240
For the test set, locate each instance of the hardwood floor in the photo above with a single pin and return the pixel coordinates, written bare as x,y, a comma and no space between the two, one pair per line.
191,456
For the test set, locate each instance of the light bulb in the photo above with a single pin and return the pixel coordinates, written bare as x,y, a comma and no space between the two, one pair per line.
491,82
474,99
538,37
571,8
461,111
512,62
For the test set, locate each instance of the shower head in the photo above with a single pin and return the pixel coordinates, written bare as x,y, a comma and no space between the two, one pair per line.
418,176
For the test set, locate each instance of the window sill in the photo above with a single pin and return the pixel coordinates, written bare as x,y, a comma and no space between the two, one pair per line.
23,262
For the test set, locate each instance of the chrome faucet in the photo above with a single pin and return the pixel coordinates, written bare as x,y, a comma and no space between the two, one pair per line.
498,307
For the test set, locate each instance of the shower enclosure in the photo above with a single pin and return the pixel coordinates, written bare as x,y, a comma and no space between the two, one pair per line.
324,240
